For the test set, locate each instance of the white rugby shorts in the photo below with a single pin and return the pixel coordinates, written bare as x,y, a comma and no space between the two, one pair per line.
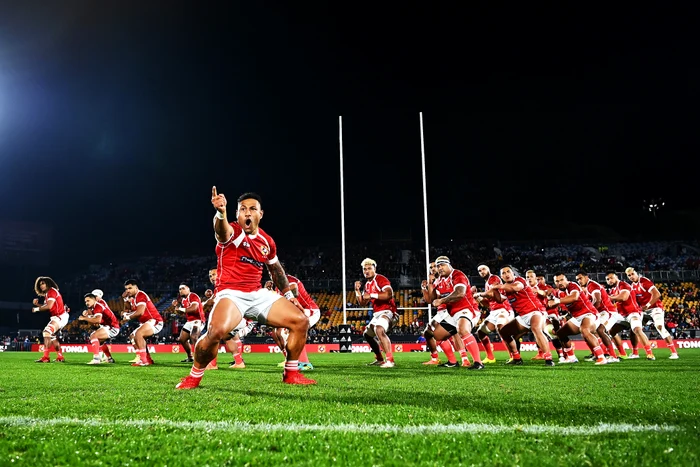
634,320
577,321
383,319
60,321
157,326
190,325
499,317
313,315
252,305
111,332
525,320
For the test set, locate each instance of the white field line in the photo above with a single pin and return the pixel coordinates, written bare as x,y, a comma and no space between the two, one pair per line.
470,428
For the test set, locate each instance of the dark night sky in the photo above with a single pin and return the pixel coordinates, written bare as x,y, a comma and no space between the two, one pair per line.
115,120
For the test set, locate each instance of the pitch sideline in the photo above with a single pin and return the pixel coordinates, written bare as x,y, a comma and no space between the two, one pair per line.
459,428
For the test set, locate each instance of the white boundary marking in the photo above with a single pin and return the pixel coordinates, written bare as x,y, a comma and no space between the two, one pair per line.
473,428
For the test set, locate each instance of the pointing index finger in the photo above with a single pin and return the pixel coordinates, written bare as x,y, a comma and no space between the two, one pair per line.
213,192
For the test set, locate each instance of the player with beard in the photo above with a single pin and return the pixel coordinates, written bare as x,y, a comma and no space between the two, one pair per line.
243,249
453,290
649,300
606,310
98,312
378,292
584,318
53,303
190,304
528,310
448,346
622,295
500,313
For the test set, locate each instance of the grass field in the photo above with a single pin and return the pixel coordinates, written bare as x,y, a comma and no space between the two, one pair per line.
631,413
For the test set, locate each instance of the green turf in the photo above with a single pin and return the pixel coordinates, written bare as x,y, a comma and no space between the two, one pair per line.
75,414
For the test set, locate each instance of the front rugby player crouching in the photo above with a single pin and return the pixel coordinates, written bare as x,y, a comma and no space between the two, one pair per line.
242,249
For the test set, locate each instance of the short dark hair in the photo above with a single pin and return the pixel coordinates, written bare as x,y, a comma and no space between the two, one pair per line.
583,273
131,282
90,295
610,273
559,273
250,195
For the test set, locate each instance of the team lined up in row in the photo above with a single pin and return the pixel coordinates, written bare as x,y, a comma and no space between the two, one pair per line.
590,309
519,305
243,250
150,320
98,312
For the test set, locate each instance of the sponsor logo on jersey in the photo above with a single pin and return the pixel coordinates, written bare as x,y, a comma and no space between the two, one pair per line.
248,260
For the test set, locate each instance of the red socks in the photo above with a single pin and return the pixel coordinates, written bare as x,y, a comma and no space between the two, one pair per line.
472,347
486,342
446,347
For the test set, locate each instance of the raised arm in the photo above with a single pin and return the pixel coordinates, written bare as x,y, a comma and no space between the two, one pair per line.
361,300
428,291
222,228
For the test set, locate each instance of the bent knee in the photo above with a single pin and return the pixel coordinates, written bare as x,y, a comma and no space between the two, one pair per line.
215,333
298,323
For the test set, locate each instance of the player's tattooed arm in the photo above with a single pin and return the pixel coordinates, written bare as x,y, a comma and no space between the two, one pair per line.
455,296
279,278
295,289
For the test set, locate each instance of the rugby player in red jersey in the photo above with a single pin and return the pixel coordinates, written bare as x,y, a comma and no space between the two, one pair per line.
453,290
243,249
448,346
53,303
311,311
584,318
147,314
98,312
649,300
601,301
621,294
190,304
529,315
551,314
232,342
105,347
500,313
378,291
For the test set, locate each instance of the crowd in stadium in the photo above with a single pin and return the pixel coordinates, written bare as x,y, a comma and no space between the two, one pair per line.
322,265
